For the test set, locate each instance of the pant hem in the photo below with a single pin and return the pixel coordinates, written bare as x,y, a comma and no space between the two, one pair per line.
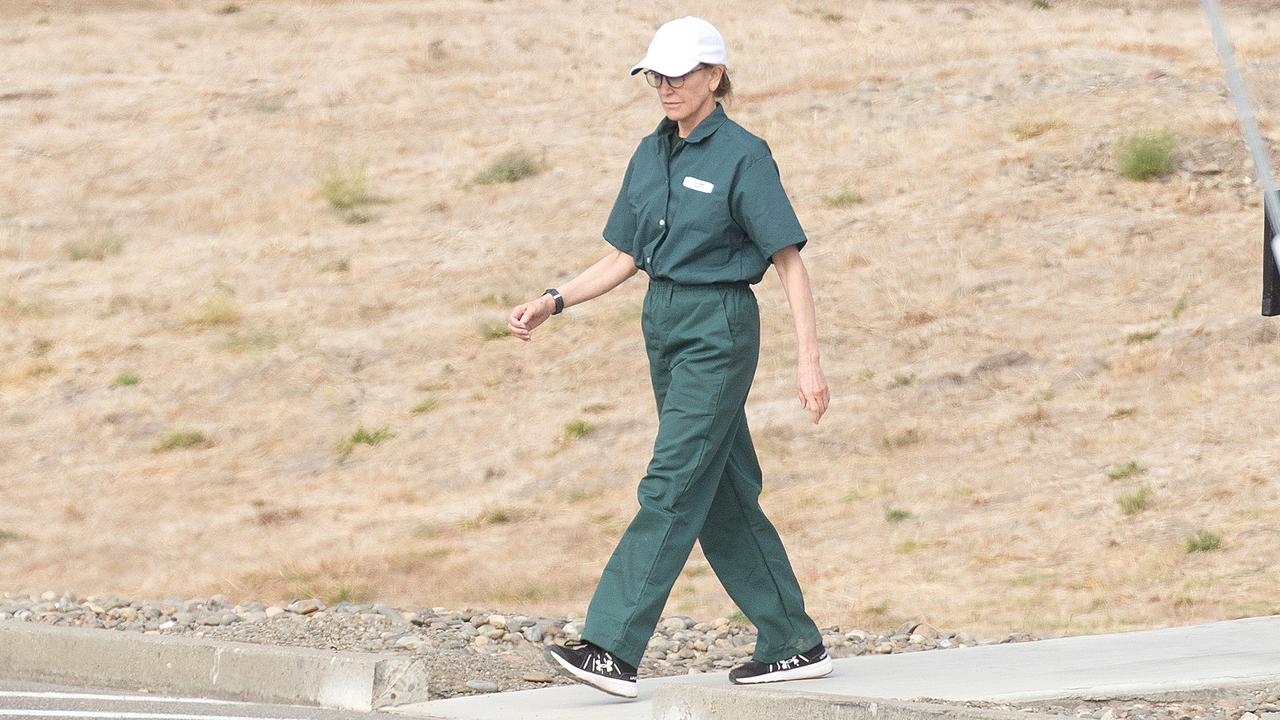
786,651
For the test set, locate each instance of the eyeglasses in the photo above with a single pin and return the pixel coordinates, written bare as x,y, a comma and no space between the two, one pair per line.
655,78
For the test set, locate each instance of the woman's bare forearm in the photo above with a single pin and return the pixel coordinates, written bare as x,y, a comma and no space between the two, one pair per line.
602,276
795,282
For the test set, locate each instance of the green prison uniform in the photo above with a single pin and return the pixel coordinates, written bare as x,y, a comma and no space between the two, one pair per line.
701,216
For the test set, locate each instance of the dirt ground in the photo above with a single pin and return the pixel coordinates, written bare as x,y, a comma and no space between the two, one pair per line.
194,343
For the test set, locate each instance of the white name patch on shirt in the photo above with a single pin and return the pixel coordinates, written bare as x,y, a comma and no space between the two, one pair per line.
694,183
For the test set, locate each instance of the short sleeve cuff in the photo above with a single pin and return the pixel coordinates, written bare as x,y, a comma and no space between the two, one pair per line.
622,245
770,248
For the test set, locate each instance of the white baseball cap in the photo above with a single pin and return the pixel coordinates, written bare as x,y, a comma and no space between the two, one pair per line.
679,45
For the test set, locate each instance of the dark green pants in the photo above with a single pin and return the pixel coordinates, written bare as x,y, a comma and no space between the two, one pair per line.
703,483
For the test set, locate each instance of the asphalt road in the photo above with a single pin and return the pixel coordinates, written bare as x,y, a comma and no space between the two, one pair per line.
30,701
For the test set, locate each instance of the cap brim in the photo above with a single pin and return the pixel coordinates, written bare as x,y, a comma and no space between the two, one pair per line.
669,68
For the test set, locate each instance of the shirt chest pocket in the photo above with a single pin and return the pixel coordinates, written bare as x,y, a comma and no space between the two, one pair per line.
704,205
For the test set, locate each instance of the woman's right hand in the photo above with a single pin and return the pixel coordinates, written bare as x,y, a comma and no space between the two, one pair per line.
527,316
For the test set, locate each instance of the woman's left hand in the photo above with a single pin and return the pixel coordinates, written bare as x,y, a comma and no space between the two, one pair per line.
811,386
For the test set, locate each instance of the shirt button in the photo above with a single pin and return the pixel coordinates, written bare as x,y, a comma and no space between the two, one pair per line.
648,258
662,221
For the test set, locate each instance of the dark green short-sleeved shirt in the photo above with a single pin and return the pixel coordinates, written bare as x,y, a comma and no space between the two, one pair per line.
710,209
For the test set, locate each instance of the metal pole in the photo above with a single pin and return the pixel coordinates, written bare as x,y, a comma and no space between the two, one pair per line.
1270,258
1261,158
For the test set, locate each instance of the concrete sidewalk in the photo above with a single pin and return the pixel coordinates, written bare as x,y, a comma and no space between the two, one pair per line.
1211,655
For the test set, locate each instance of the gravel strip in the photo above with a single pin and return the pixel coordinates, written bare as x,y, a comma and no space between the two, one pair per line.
468,650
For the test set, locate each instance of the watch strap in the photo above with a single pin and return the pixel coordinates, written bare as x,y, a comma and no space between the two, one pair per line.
555,295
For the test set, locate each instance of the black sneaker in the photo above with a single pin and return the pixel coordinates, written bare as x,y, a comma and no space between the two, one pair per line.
811,663
593,665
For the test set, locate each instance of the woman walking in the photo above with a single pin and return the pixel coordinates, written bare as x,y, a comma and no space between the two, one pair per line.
703,212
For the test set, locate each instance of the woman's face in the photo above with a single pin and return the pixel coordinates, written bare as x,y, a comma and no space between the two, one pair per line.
691,97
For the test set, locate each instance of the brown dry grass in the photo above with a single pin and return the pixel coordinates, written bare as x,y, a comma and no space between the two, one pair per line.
260,317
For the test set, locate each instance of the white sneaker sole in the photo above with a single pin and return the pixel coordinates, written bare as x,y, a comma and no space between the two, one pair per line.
621,688
816,670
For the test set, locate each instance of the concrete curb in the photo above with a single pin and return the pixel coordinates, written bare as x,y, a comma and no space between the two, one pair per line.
210,668
689,702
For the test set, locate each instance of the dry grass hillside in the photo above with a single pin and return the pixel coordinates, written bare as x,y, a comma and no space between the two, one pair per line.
253,297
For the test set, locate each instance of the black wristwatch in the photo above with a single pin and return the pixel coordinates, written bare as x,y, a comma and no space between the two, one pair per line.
555,294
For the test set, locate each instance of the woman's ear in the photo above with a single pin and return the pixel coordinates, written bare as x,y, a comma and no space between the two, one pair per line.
717,72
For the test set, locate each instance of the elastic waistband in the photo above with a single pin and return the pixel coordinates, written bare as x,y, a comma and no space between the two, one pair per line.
667,282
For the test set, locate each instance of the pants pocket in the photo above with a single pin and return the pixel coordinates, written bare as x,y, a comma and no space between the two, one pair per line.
729,306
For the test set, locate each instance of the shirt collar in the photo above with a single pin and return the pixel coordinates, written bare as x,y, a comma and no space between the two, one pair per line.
705,127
